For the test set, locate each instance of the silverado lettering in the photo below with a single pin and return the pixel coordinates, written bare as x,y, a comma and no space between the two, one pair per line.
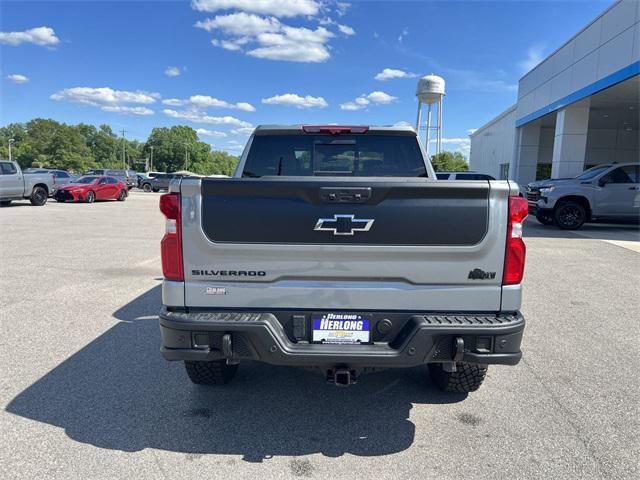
229,273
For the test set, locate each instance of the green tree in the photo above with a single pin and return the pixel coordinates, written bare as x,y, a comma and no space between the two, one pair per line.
47,143
449,162
222,163
15,131
179,148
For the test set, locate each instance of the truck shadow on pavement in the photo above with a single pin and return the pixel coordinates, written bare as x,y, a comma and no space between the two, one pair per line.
118,393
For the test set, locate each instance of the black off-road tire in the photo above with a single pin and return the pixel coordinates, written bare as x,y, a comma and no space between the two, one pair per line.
210,373
122,196
545,218
39,196
5,203
467,378
146,187
570,215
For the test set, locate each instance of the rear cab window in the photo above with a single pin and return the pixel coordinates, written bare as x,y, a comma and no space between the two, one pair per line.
369,155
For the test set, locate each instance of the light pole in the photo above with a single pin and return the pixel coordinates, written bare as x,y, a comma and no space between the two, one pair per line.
11,140
124,162
186,155
151,161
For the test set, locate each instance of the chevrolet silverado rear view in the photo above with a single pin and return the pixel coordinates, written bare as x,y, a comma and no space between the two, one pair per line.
337,248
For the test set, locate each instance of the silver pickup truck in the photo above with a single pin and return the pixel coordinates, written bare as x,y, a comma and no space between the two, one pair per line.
604,192
14,185
337,248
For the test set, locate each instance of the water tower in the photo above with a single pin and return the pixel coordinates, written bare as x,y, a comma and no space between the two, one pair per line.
430,91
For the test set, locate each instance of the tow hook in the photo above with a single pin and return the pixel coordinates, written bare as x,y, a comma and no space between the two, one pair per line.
341,377
227,350
458,348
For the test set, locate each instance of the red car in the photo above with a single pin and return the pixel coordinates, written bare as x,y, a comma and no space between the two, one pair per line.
91,188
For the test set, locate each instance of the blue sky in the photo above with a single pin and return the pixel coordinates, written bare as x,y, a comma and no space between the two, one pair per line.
223,66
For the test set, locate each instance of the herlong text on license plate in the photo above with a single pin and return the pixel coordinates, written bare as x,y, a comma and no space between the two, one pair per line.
341,328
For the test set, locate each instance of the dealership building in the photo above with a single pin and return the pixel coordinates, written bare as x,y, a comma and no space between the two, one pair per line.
578,108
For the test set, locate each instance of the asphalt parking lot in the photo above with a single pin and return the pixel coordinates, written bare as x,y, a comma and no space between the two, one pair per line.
85,393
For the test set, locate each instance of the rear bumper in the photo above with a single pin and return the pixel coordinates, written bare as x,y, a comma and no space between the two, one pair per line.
414,339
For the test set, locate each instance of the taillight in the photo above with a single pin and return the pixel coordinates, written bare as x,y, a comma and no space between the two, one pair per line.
171,245
515,248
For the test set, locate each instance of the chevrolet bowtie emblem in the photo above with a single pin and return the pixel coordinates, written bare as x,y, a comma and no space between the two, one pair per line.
344,224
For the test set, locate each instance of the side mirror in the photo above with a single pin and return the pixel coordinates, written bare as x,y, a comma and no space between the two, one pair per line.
602,182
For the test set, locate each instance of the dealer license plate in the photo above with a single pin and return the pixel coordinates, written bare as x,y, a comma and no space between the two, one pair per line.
341,328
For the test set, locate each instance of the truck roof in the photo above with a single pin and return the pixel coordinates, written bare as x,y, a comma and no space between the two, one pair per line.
300,129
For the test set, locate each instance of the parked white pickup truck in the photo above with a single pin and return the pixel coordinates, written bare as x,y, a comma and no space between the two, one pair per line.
337,248
15,185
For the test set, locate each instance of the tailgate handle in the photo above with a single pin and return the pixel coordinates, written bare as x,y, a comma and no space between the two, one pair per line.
345,195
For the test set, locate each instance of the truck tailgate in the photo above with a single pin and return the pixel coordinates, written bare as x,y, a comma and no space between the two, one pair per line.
319,243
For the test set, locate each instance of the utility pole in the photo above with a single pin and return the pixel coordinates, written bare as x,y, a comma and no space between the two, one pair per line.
186,155
11,140
124,163
151,162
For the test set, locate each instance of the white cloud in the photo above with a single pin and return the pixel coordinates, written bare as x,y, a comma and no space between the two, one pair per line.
347,30
535,55
205,101
459,144
341,8
357,104
256,30
104,96
210,133
195,116
240,24
17,78
363,101
402,123
42,36
233,45
108,99
172,71
294,100
278,8
173,102
139,111
471,131
390,73
381,97
242,131
294,45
